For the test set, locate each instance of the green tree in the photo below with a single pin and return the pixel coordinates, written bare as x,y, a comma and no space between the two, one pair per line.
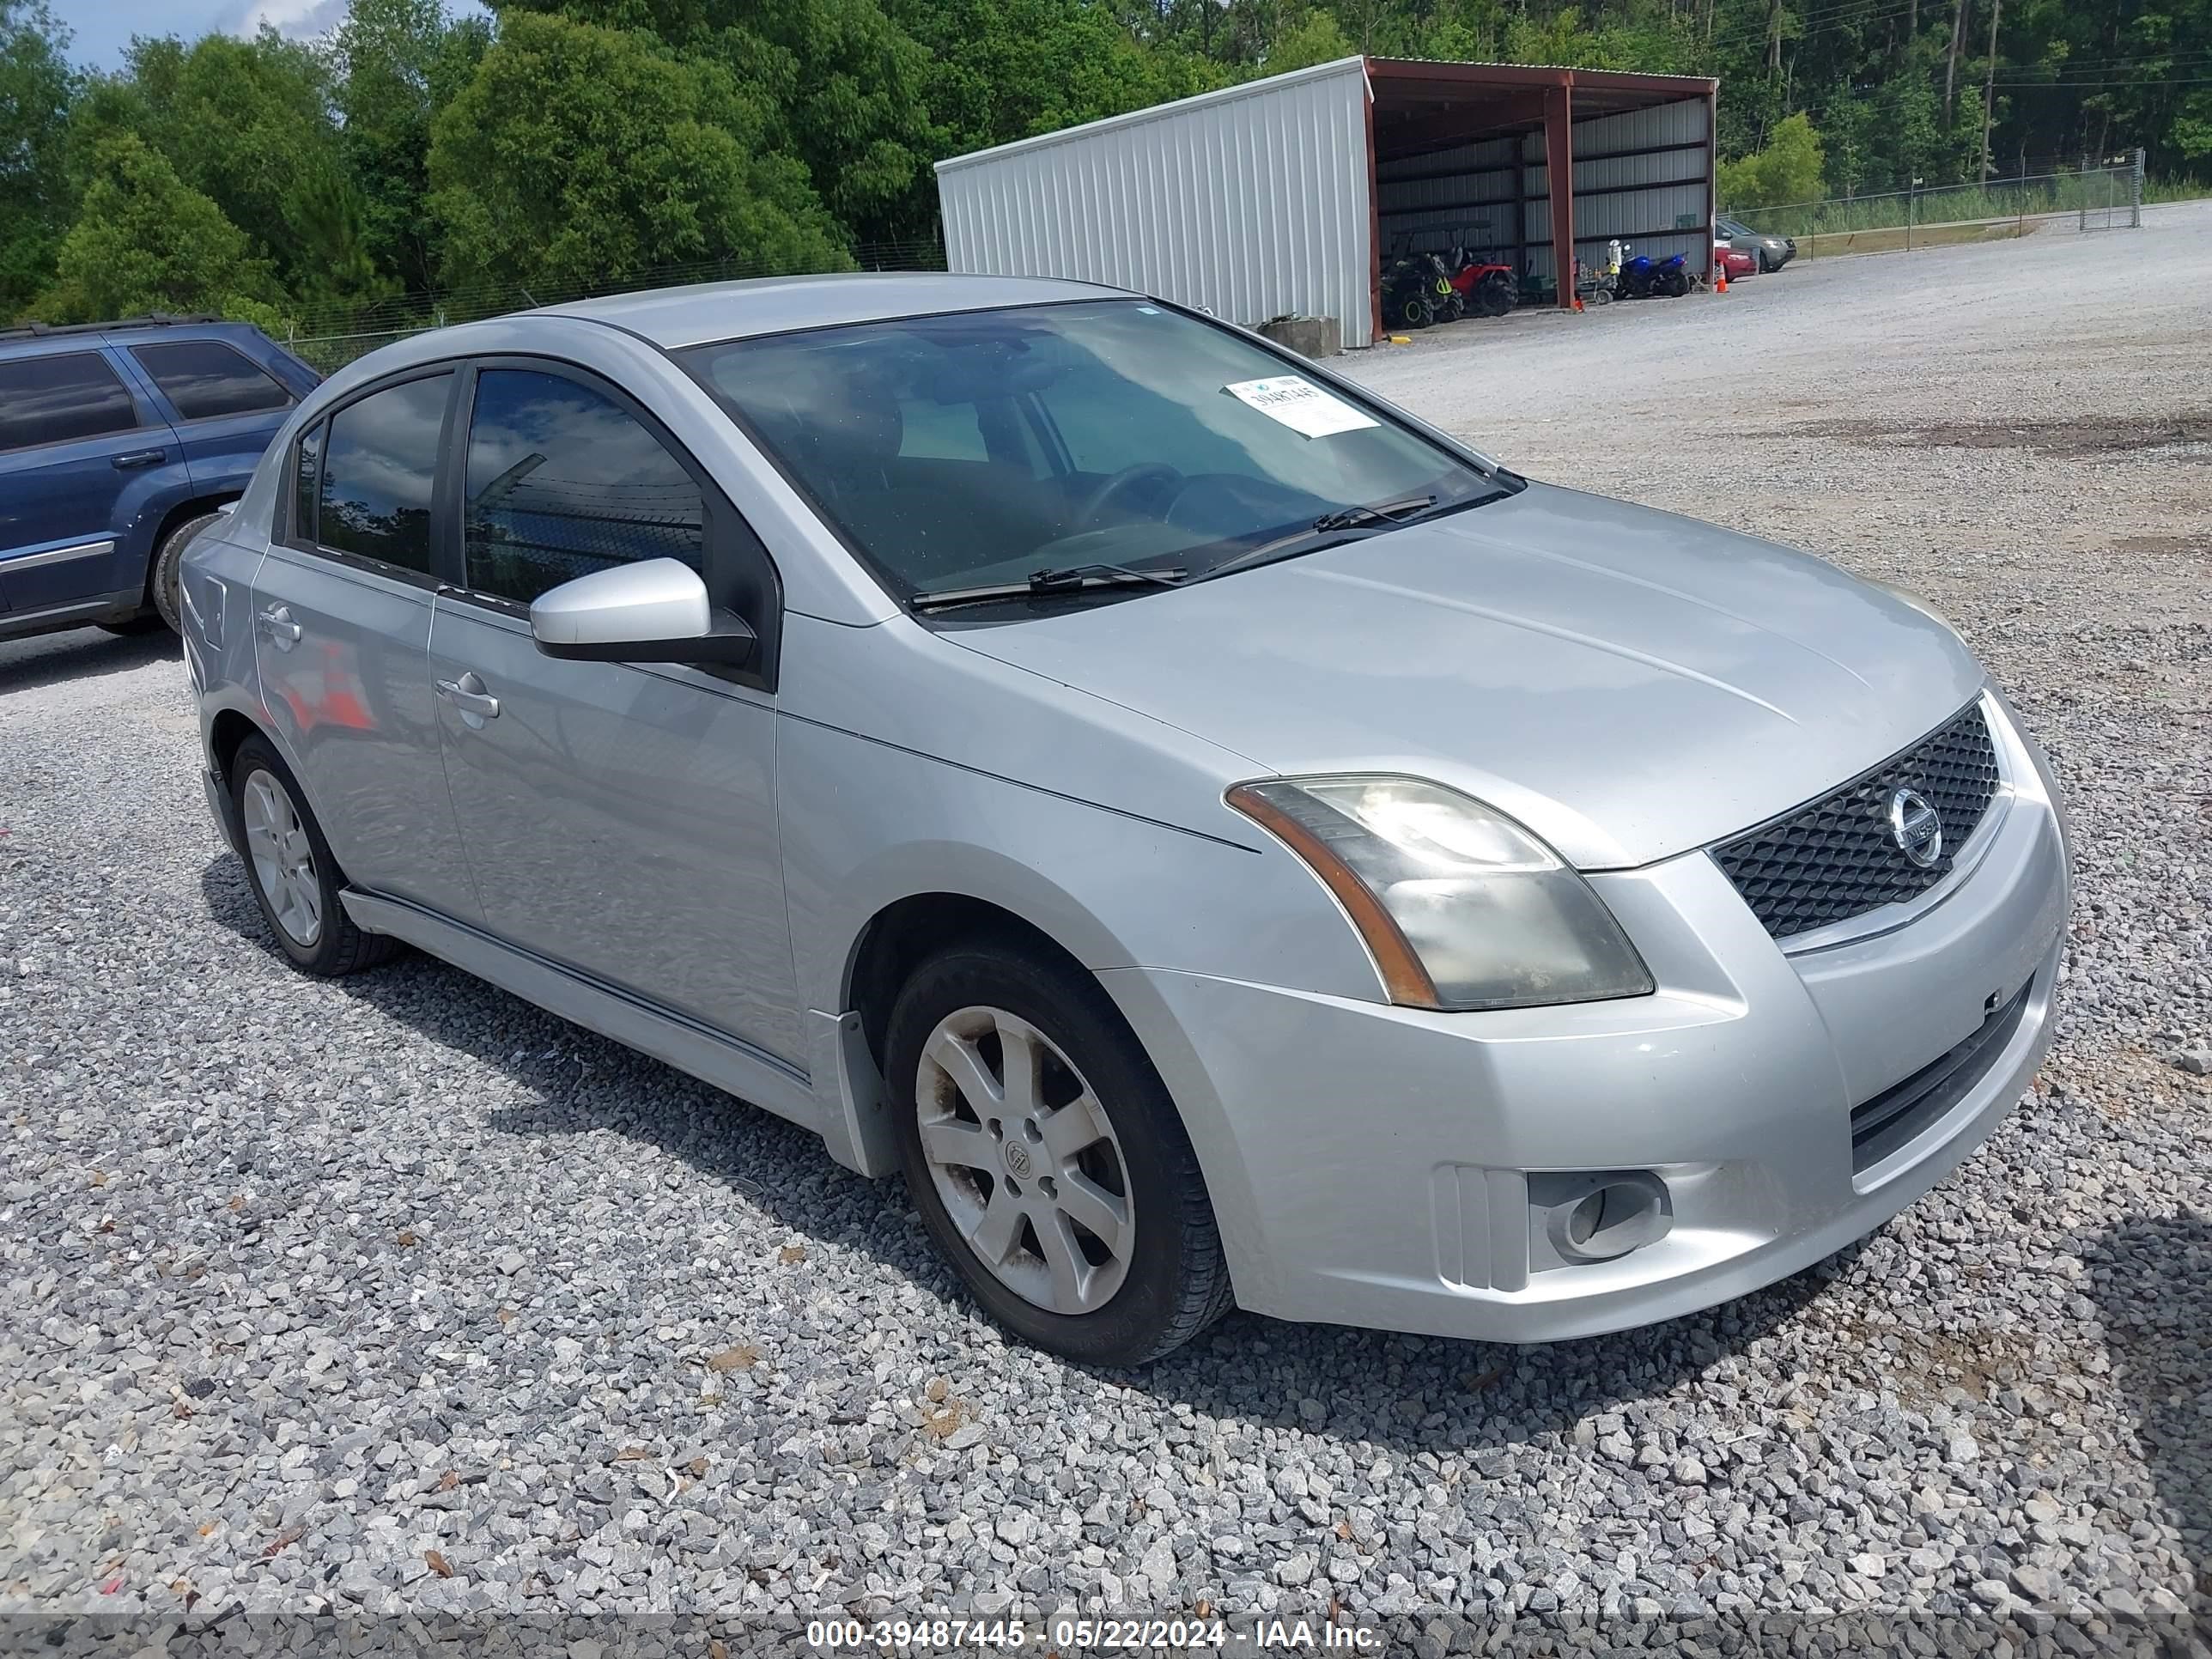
36,90
247,123
395,64
581,156
1003,69
837,83
1789,169
145,240
1315,38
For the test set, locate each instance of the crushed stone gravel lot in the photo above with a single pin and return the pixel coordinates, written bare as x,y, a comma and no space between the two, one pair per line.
396,1293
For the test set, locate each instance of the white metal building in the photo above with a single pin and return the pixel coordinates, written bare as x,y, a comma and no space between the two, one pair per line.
1289,195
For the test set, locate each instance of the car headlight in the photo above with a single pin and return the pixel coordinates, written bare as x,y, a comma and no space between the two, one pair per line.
1461,907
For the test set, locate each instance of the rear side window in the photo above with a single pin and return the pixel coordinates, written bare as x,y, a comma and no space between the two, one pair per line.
307,473
563,481
377,469
205,377
61,399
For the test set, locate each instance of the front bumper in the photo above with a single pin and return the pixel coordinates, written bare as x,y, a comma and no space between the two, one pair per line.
1377,1166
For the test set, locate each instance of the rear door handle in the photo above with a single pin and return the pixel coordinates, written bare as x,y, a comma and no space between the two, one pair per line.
140,458
468,695
276,622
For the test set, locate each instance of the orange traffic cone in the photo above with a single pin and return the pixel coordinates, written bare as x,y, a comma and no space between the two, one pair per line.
1578,302
1720,276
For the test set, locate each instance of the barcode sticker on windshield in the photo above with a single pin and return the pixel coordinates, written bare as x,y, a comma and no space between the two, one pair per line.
1300,405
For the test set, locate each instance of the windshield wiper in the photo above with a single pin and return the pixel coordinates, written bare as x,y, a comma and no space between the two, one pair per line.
1376,515
1343,518
1377,511
1073,579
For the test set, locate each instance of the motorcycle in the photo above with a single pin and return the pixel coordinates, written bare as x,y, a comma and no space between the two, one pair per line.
1642,277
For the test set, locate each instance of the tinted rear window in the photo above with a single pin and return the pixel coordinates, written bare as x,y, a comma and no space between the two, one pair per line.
59,399
204,378
377,473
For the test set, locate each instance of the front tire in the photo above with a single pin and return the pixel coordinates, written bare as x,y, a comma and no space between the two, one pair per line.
163,583
290,869
1047,1159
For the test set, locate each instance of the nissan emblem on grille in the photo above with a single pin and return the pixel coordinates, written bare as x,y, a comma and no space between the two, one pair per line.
1885,838
1916,826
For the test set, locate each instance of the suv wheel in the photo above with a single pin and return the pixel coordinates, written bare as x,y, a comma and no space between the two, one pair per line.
1047,1161
162,581
289,867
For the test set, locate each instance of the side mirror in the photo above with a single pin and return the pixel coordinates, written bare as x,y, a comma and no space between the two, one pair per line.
655,610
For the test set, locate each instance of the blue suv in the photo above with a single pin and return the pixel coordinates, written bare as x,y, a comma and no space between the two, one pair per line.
118,442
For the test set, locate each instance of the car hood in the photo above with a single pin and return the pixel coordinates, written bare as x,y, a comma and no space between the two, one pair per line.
1628,684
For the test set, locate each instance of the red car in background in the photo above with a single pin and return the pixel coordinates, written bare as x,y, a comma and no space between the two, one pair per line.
1735,263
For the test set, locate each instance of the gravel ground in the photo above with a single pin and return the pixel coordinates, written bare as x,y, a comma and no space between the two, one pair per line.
398,1293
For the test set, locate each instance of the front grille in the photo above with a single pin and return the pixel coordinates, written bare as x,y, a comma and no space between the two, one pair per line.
1904,1111
1835,858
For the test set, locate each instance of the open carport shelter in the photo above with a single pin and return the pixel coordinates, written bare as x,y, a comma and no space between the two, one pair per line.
1290,195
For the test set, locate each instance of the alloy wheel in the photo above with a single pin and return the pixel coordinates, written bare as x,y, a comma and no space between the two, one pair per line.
283,859
1025,1160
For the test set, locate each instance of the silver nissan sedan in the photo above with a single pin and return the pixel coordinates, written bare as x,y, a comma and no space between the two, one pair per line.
1222,841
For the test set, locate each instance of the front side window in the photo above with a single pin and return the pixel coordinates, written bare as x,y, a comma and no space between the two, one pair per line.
61,399
206,378
563,481
377,471
980,447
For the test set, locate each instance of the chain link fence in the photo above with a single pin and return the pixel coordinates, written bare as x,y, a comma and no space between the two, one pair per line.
2093,197
331,337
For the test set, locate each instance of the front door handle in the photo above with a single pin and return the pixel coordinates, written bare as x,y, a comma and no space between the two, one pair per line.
468,695
276,622
140,458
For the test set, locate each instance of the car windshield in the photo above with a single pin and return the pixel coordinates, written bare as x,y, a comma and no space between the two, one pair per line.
963,451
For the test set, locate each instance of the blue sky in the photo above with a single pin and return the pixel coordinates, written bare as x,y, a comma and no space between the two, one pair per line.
104,28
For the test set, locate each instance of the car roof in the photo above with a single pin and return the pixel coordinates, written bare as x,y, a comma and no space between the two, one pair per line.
676,317
37,337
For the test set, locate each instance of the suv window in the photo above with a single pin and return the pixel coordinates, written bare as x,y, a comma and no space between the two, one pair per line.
61,399
563,481
206,378
380,458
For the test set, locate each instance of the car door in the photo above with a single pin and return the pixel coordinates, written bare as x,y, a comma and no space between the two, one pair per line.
341,610
73,439
224,405
620,818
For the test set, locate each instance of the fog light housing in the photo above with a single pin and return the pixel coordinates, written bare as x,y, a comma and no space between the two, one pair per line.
1580,1216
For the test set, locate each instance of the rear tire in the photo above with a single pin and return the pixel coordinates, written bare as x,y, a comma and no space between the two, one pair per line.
1047,1160
294,879
1493,295
162,581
